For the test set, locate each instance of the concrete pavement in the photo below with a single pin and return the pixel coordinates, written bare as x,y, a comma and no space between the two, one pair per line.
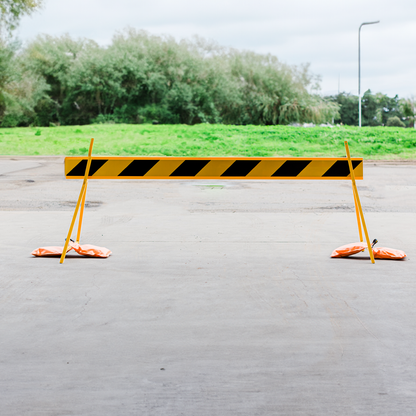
219,299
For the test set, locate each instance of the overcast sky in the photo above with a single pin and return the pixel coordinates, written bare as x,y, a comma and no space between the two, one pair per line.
321,32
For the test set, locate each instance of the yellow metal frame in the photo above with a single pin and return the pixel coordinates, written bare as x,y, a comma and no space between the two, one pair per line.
358,205
80,202
357,213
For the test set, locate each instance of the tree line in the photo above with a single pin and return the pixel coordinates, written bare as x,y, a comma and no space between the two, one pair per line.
377,110
141,78
144,78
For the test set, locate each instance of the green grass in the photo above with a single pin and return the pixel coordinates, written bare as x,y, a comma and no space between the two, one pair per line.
210,140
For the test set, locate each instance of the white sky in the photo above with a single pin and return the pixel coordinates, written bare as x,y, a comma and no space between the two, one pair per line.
322,32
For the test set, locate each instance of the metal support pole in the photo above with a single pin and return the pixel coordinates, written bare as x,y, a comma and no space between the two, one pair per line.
81,214
359,76
357,213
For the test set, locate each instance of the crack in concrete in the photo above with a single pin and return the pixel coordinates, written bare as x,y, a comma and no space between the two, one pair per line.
86,294
302,300
356,317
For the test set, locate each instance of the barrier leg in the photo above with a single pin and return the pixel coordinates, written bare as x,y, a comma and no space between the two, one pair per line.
81,214
357,213
357,199
80,198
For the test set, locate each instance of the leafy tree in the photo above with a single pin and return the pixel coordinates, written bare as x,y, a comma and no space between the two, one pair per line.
16,92
7,52
394,122
54,59
369,109
376,109
20,90
390,107
12,10
408,107
348,111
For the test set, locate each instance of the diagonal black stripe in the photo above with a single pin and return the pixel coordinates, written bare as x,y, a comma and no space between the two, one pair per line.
79,170
291,168
189,168
241,168
138,167
340,168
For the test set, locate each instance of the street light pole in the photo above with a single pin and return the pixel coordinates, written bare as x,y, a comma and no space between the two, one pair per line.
359,69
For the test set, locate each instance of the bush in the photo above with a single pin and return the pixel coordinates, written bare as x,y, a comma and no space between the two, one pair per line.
153,112
376,108
20,89
145,78
395,122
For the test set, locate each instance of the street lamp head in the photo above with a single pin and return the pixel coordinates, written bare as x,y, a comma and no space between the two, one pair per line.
369,23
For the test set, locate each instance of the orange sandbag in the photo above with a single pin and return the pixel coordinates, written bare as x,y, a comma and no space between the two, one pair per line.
349,249
388,253
90,250
51,251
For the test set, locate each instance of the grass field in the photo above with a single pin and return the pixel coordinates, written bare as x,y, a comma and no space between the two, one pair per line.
210,140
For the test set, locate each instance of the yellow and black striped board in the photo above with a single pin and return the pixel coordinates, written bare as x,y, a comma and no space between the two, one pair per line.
212,168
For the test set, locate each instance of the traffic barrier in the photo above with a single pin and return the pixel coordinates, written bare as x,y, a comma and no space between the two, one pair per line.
274,168
213,168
